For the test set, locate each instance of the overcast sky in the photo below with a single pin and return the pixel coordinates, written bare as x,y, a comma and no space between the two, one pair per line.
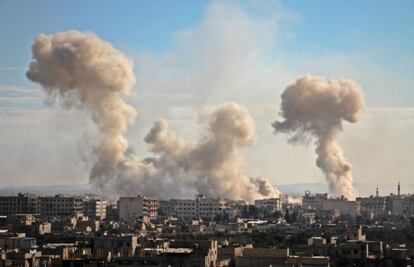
194,54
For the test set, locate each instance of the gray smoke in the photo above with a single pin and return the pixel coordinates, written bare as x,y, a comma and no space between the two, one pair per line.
313,107
213,165
80,70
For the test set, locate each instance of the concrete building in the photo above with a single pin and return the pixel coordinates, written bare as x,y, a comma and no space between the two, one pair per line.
258,257
95,208
200,207
345,207
60,205
374,206
132,208
360,253
167,207
313,202
304,261
114,246
268,205
20,204
410,206
398,204
320,204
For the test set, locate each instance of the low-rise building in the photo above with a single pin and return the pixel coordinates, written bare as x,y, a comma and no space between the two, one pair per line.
259,257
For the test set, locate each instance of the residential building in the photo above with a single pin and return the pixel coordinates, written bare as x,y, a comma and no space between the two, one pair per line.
200,207
320,203
268,205
132,208
95,208
60,205
20,204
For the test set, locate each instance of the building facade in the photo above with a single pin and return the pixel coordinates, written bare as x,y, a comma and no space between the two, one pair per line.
95,208
60,205
270,205
132,208
20,204
200,207
320,204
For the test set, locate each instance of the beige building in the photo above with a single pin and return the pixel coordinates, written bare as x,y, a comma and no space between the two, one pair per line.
268,204
132,208
95,208
320,203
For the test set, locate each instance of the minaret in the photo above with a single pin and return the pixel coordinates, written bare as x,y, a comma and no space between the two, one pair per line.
399,188
376,192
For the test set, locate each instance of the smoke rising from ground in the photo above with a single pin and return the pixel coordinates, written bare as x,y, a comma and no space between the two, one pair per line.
213,165
313,107
81,71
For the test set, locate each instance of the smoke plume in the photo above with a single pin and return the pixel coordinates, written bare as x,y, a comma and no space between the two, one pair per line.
81,71
213,165
315,107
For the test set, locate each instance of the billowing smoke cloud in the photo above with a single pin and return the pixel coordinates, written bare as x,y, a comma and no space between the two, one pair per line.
213,165
315,107
82,71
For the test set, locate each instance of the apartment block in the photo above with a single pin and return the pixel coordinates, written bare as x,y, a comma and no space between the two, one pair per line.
20,204
95,208
132,208
60,205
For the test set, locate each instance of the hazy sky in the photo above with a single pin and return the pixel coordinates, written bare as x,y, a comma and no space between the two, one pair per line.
192,54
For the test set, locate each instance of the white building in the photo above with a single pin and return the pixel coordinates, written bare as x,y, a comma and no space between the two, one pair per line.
200,207
320,203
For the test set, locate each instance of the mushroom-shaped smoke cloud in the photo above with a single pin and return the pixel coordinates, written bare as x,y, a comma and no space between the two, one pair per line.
315,107
82,70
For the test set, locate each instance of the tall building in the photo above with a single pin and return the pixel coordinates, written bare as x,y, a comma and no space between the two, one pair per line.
132,208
